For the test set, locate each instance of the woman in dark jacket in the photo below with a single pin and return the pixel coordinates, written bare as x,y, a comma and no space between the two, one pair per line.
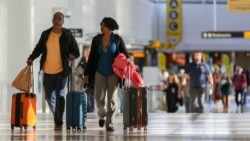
104,48
172,93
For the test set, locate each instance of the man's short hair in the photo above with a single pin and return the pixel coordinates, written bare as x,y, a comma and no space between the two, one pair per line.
59,13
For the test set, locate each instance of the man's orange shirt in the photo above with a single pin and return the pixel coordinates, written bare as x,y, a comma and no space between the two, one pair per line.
53,62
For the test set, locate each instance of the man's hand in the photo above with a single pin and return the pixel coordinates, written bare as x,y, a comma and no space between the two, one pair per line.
29,62
71,57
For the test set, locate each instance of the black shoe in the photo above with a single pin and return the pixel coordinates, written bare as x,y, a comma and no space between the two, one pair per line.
110,127
101,122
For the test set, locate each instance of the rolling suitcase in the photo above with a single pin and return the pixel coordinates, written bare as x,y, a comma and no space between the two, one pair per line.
23,110
135,109
76,110
76,106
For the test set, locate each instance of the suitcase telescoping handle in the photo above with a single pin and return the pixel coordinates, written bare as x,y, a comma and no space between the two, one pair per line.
127,81
70,77
32,78
31,83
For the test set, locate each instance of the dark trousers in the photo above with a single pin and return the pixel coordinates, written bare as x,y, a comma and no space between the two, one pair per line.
171,103
237,93
245,97
54,87
91,99
199,94
186,104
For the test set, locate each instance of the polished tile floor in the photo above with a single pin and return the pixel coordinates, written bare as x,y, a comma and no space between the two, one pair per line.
161,127
214,124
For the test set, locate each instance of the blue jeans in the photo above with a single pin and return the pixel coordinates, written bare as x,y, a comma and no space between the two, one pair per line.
54,87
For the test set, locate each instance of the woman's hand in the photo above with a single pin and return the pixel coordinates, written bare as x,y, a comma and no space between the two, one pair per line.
86,79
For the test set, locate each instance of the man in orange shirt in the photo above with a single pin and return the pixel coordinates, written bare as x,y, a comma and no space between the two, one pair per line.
57,47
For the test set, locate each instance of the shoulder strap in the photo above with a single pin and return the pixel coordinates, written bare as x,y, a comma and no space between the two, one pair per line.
117,41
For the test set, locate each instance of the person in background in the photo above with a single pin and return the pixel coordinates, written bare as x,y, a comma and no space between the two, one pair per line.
198,74
246,72
184,90
172,93
239,81
104,48
216,90
225,86
89,89
163,75
57,46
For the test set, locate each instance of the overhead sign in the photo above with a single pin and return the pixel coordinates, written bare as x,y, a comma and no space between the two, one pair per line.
247,34
174,22
77,32
238,6
225,34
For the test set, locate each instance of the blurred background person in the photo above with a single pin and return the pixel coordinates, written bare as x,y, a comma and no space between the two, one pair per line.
184,90
239,83
245,93
199,74
216,90
172,93
225,88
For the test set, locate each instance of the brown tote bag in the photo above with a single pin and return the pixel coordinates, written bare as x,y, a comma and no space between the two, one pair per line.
23,80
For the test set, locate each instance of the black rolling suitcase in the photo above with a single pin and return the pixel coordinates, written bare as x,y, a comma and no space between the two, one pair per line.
135,113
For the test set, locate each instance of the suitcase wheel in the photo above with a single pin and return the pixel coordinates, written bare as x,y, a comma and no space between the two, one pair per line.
74,129
34,127
25,127
68,129
84,128
78,129
125,130
12,127
130,130
145,129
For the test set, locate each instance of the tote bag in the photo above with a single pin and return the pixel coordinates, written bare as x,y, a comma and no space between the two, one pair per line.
23,80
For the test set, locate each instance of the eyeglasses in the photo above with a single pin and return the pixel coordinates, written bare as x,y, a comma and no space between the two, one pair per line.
57,19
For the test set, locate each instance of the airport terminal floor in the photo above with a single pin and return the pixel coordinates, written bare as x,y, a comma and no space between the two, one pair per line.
162,126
